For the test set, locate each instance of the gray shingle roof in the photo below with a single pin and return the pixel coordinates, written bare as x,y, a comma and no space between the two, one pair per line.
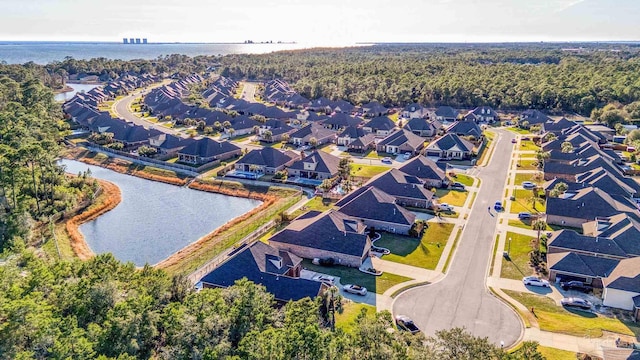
380,123
374,204
253,263
401,137
399,184
569,240
579,264
625,276
451,142
267,156
420,124
590,203
446,112
423,168
207,147
325,162
331,231
465,128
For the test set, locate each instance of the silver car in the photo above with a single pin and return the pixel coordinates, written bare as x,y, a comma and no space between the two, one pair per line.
355,289
535,281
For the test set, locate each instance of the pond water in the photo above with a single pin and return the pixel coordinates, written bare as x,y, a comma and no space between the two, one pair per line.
154,220
76,88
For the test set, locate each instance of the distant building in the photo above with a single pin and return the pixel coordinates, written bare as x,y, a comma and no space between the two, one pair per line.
137,40
125,40
132,41
144,41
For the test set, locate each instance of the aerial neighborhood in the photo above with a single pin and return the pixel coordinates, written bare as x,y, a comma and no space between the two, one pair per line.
381,178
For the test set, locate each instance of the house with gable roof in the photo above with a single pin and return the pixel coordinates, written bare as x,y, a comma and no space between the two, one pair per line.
330,234
315,131
426,170
401,141
207,150
380,126
450,146
266,160
318,165
622,286
465,128
407,189
423,127
446,114
482,114
374,109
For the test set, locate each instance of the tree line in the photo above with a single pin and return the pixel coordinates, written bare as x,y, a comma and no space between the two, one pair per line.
504,77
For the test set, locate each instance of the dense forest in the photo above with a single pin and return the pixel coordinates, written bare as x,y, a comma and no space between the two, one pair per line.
505,77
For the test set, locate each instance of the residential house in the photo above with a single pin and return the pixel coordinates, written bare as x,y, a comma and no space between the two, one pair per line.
622,287
587,204
331,234
306,134
446,114
401,141
534,117
378,210
574,266
342,106
450,146
465,128
407,189
597,178
557,126
605,131
423,127
321,104
426,170
417,111
374,109
351,134
482,114
277,270
242,125
318,165
132,136
207,150
380,126
274,130
339,121
266,160
169,145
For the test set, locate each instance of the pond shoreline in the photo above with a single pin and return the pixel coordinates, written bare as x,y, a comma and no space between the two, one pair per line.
81,248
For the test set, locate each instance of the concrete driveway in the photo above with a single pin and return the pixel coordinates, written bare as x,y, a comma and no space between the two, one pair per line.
462,299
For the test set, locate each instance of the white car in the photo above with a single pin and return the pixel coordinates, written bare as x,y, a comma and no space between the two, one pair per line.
445,207
528,185
355,289
535,281
407,155
327,279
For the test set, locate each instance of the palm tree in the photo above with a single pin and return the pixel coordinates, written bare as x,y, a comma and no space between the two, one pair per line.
332,301
566,147
534,200
542,155
539,225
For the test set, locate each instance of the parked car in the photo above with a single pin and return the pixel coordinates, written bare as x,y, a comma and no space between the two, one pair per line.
355,289
327,279
457,186
513,141
528,185
387,160
535,281
576,302
407,156
498,206
445,207
576,285
405,323
380,250
524,215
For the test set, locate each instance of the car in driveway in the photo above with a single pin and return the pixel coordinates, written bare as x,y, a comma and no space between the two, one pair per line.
407,156
457,186
405,323
498,206
355,289
327,279
576,285
577,303
535,281
387,160
524,216
528,185
445,207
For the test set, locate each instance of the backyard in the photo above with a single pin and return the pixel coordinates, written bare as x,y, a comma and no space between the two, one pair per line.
350,311
555,318
349,275
367,171
424,253
518,247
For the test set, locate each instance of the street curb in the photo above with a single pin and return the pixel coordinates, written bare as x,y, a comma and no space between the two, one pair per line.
515,311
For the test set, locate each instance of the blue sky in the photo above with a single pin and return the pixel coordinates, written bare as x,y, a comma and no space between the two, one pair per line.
327,22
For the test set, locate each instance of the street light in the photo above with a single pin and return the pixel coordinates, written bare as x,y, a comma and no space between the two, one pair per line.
509,247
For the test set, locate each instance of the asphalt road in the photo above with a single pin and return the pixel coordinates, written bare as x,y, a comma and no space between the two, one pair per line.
461,299
121,108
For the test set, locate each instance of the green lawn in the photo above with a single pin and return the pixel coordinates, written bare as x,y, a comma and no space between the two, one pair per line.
521,204
518,266
242,137
326,148
452,197
520,177
527,164
556,354
367,171
372,154
528,145
555,318
350,311
394,117
424,253
518,130
348,275
463,179
319,204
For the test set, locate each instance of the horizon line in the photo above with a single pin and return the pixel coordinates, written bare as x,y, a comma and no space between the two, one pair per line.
319,44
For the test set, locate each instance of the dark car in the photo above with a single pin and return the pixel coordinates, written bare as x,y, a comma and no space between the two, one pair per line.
406,324
498,206
524,216
457,186
575,285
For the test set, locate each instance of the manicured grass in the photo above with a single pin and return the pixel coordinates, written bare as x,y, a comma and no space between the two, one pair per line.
521,204
453,249
372,154
465,180
520,177
555,318
518,130
528,145
527,164
326,148
485,152
518,266
424,253
367,171
350,311
242,137
452,197
319,204
556,354
394,117
348,275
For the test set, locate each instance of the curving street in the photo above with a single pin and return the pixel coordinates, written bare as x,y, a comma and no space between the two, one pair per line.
461,298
